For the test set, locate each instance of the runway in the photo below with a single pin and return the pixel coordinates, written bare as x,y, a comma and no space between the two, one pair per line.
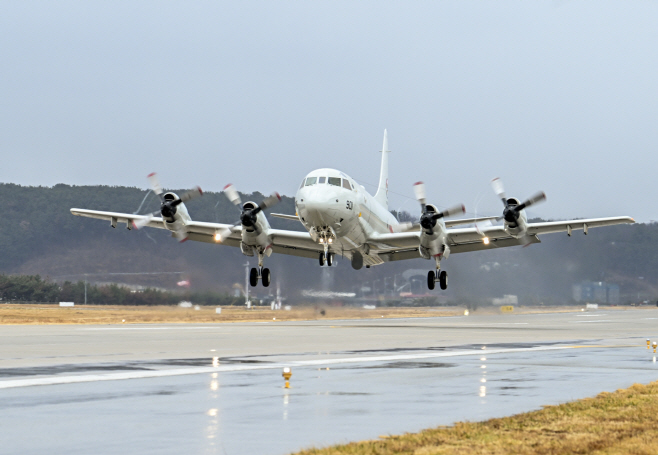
218,388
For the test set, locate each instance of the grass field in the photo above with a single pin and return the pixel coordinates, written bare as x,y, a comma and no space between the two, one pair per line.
102,314
106,314
622,422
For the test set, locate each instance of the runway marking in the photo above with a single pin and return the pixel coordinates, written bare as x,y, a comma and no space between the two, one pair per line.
72,379
152,328
589,322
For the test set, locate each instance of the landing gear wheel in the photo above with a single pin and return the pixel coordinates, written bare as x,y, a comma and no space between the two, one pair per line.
253,277
321,259
443,280
330,259
431,280
266,277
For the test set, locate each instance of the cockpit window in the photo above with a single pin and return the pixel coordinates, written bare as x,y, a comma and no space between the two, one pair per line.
334,181
322,179
346,184
311,181
302,185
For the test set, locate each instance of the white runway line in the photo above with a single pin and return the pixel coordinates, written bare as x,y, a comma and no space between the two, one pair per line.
589,322
72,379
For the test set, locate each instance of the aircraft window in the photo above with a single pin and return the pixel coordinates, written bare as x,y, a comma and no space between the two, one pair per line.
322,179
302,185
346,184
334,181
311,181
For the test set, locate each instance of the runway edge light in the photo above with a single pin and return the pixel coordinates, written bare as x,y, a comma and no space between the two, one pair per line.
287,374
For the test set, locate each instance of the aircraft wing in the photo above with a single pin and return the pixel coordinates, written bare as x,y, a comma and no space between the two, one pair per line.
565,226
116,217
398,246
284,242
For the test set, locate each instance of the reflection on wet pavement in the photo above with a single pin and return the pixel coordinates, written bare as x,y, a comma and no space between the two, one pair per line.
234,404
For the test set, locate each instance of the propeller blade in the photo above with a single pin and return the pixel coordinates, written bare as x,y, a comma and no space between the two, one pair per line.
232,194
403,227
155,183
419,191
499,189
532,200
480,225
455,210
143,221
181,235
270,201
193,193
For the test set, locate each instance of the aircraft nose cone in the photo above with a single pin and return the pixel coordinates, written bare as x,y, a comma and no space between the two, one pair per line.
321,209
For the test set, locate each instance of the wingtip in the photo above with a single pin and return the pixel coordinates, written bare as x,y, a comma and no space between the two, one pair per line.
227,186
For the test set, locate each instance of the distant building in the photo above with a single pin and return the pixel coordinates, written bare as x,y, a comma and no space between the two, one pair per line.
596,292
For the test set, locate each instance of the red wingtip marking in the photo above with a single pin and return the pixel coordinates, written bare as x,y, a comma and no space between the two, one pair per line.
418,183
227,186
463,208
200,190
134,225
150,175
278,196
390,228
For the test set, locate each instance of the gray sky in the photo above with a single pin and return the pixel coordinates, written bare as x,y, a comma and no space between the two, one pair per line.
559,96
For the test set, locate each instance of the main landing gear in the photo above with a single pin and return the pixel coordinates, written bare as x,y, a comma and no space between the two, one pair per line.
326,257
441,277
260,273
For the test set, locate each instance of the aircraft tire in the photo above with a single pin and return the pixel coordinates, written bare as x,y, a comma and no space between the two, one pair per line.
253,277
443,280
330,259
267,277
431,277
357,260
321,259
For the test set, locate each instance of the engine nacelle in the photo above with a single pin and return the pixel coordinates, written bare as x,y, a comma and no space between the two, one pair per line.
174,215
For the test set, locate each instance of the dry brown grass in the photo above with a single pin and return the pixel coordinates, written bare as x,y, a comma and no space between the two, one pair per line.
102,314
623,422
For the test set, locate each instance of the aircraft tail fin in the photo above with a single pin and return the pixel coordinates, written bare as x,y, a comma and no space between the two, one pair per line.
382,190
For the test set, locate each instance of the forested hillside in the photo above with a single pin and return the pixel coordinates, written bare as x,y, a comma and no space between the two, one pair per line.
38,235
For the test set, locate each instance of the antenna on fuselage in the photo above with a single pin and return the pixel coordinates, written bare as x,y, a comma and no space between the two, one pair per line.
382,189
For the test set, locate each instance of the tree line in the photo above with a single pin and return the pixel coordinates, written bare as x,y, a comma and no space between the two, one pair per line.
33,288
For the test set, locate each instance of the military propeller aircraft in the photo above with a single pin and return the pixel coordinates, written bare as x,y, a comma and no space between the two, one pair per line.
341,217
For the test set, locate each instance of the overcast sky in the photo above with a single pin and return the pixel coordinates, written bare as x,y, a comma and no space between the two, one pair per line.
559,96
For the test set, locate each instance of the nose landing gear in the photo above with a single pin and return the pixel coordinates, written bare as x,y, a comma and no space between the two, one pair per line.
326,257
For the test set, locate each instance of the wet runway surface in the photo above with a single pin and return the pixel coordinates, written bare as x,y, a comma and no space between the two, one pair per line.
218,388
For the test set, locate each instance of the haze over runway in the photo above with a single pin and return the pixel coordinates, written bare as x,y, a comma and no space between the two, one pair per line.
556,96
217,388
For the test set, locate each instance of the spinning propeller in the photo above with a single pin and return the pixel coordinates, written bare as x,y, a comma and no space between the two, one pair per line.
168,206
249,215
512,211
428,218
